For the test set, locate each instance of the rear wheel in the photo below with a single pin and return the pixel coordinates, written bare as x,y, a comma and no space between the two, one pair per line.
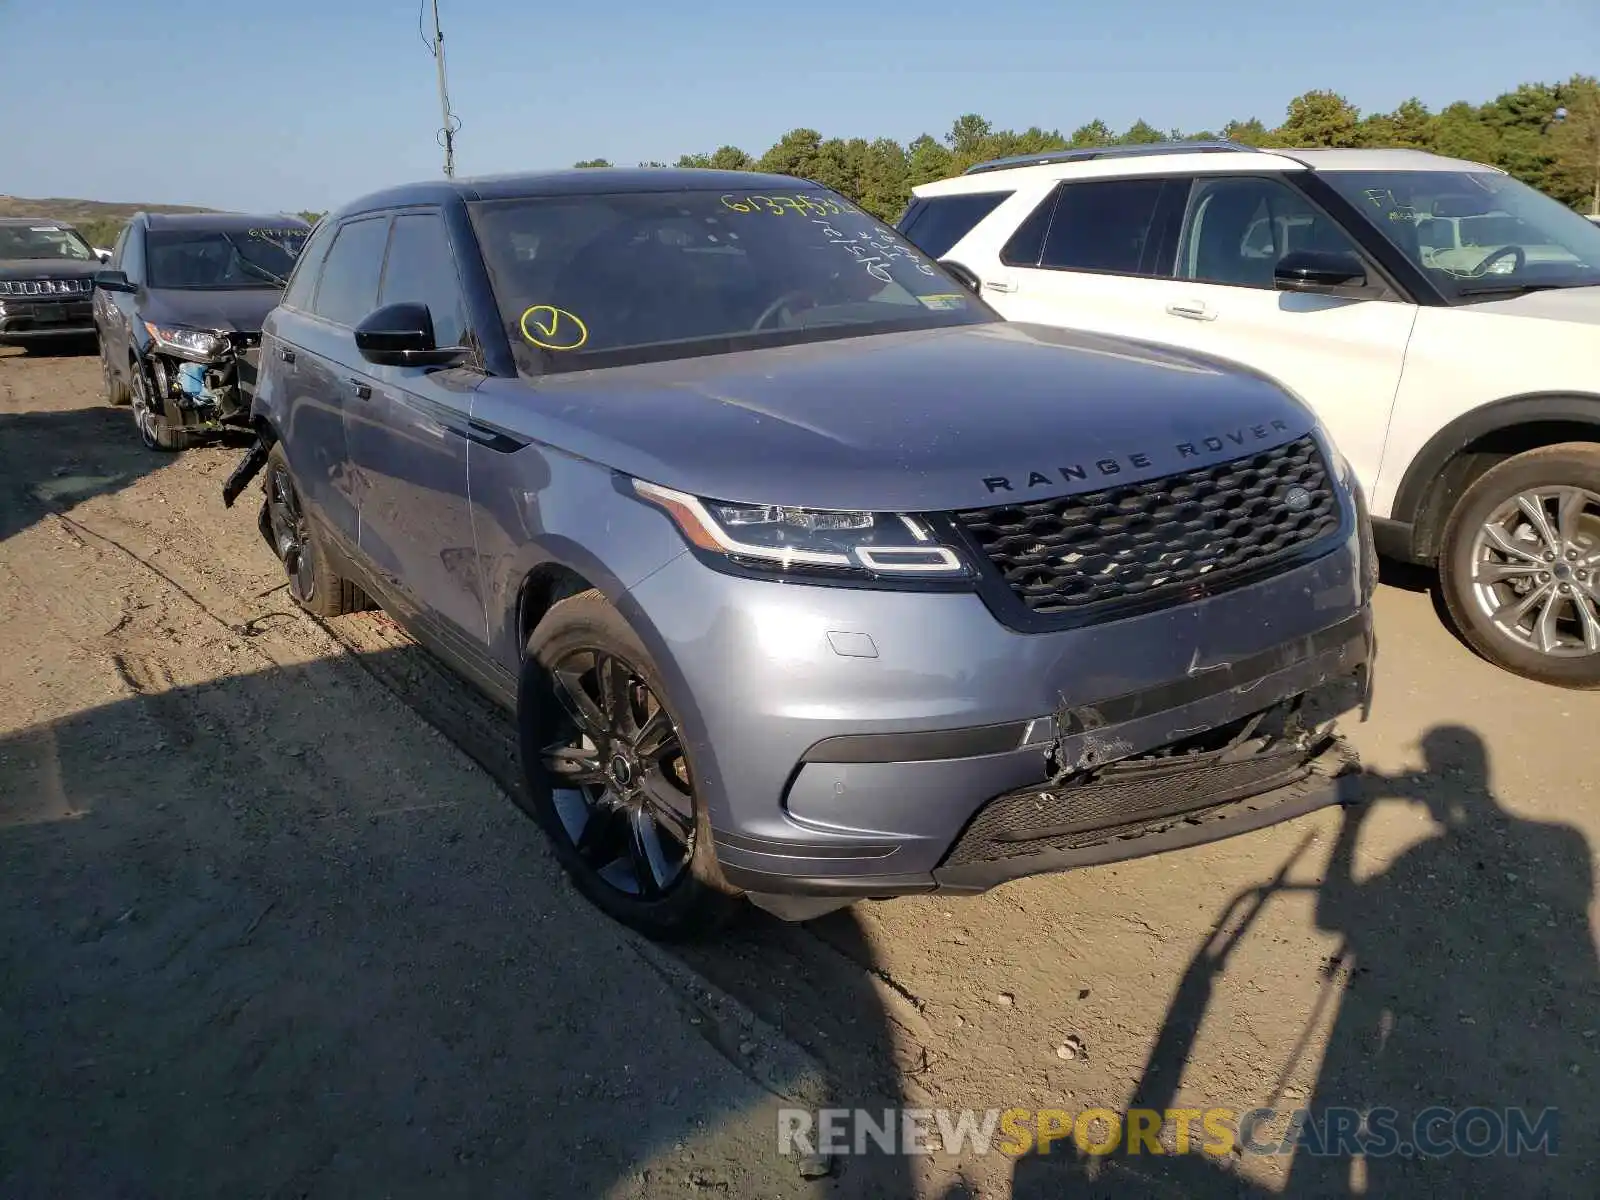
313,583
1520,569
116,391
150,416
608,776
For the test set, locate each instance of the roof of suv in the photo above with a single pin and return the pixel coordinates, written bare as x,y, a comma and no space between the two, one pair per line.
574,181
216,220
1179,158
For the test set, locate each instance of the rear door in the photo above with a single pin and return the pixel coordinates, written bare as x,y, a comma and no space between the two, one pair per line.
1087,254
1342,354
407,432
317,344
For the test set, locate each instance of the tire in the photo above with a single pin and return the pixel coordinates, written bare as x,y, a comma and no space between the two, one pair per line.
313,583
1497,559
678,894
116,390
155,431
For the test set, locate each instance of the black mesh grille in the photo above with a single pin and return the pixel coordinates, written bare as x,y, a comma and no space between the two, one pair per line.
1145,540
1127,799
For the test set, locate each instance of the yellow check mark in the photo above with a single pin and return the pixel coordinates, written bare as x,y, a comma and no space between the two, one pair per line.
552,328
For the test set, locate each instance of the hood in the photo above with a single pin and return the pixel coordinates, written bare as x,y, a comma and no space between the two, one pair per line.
48,268
938,419
1576,304
242,310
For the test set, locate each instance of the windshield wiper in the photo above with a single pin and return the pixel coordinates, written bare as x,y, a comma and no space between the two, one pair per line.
261,272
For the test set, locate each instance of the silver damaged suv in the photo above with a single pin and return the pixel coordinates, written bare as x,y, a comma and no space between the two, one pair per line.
806,577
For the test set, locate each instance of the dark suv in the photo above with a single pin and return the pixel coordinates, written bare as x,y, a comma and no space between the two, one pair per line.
805,576
179,314
46,269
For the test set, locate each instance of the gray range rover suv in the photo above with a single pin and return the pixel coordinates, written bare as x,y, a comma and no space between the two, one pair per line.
806,577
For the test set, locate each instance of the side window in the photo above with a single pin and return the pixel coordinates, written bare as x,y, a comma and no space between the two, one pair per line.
422,269
1026,245
1109,226
133,254
936,223
348,289
116,249
304,279
1237,229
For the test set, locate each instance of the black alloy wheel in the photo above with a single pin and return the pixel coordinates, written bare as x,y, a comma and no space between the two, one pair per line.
621,783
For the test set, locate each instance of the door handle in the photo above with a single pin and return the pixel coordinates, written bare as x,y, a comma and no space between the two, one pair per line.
363,390
286,354
1193,310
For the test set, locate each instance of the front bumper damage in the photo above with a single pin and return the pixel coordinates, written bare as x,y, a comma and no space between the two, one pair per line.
209,395
1192,761
1275,764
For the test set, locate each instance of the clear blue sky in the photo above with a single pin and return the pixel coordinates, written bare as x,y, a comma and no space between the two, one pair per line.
291,104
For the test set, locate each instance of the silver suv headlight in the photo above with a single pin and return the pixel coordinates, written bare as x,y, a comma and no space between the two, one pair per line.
782,538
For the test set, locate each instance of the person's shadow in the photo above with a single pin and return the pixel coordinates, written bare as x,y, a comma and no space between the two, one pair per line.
1466,980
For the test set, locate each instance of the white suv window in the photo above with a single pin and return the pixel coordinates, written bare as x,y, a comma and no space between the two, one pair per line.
1238,228
1103,226
936,223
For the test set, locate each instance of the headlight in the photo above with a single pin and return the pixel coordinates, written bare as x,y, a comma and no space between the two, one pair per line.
189,343
776,537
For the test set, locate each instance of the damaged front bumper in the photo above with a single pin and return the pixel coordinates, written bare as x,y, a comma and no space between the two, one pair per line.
205,393
1192,761
1276,764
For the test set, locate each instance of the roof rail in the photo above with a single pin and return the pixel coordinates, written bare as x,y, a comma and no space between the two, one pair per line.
1084,153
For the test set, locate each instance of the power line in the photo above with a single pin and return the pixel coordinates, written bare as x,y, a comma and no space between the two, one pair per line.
446,136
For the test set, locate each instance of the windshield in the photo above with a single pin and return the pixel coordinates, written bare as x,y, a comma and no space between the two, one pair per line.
223,258
1476,233
586,281
43,240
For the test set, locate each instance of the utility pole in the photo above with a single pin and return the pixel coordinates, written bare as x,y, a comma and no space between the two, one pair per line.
447,131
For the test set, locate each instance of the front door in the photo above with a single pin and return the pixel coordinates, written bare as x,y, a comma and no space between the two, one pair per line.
1343,355
407,432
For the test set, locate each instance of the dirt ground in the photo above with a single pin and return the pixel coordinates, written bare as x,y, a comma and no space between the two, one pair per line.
270,926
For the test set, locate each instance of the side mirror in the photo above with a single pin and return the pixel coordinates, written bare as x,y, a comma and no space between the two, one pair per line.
103,255
1318,271
963,276
401,335
113,281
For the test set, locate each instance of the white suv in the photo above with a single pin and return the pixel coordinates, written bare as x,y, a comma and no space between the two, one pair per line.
1441,317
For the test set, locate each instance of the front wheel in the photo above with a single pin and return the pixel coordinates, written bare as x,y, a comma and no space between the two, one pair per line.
609,778
149,414
1520,570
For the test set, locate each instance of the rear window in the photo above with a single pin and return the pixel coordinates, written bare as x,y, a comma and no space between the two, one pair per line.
1103,226
935,223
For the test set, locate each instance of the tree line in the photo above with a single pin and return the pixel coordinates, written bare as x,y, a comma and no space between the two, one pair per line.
1545,134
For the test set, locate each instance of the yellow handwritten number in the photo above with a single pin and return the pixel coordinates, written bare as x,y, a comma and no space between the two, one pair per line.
552,328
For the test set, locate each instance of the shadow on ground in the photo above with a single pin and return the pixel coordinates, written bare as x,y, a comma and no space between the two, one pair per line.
1466,979
56,460
249,952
